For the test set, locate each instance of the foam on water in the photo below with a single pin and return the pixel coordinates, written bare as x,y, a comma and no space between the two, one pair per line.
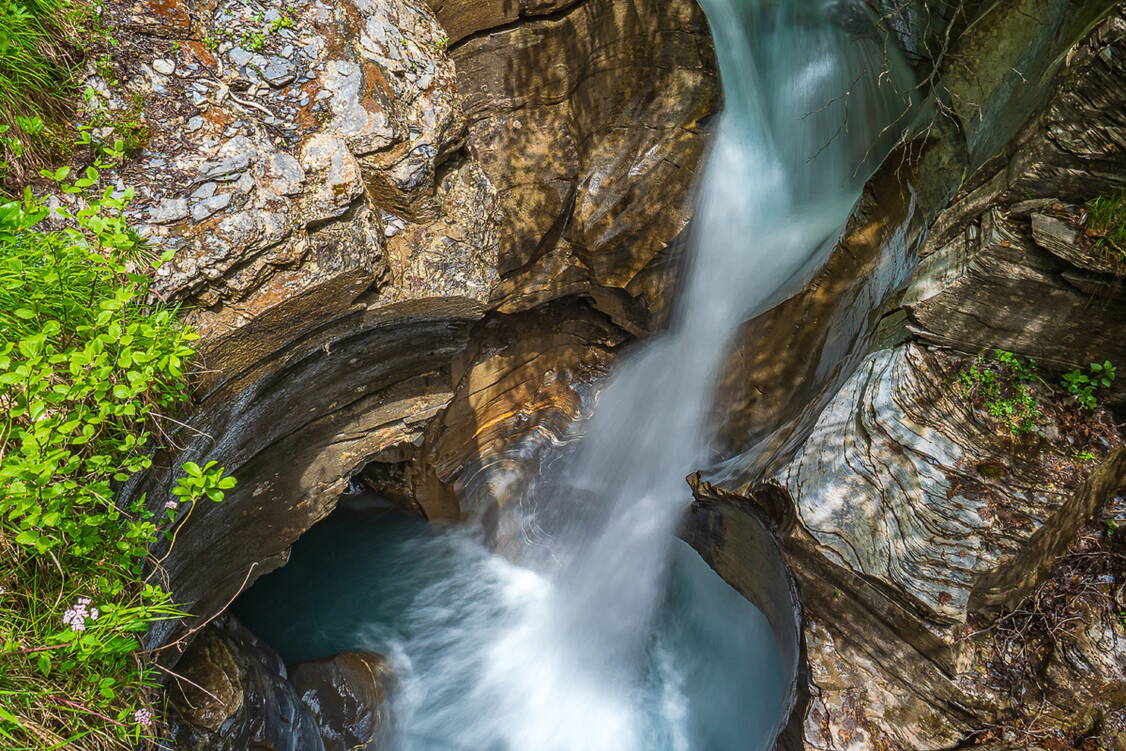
448,612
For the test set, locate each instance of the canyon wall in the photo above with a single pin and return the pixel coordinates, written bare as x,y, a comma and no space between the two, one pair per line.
414,236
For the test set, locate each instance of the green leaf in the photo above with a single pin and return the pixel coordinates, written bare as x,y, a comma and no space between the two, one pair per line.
27,537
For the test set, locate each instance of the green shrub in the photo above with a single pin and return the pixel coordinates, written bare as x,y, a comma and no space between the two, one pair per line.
1083,385
1001,383
88,371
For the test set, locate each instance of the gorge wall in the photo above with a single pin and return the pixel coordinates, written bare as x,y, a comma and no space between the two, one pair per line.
413,236
926,542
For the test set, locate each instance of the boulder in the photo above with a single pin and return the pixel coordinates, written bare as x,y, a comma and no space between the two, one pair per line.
349,696
231,694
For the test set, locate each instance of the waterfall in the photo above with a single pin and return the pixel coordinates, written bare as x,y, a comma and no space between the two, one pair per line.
567,645
810,108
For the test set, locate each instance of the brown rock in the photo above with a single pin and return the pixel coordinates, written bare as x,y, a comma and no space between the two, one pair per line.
342,217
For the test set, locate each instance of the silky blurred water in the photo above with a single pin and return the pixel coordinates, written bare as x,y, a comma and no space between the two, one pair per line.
599,630
712,679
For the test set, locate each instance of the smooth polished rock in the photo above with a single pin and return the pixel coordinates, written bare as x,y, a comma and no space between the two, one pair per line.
349,696
232,695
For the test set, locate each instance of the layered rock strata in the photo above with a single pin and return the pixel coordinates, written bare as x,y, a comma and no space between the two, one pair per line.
925,540
367,201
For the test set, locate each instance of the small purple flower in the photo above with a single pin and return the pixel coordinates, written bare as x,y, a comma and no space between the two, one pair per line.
171,504
143,717
78,613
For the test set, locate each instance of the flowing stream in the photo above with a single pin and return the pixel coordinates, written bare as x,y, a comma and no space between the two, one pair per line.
604,634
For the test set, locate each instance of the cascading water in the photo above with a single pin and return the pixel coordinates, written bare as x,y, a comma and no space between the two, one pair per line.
803,121
570,648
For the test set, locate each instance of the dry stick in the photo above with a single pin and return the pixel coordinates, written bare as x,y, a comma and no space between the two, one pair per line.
179,677
32,650
192,428
176,532
76,705
217,613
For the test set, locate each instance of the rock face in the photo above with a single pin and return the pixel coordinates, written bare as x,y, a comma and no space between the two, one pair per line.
349,697
926,544
901,482
367,202
233,694
590,185
349,192
319,150
912,525
523,386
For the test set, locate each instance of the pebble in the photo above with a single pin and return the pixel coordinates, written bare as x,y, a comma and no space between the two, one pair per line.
279,72
204,192
225,169
206,208
163,66
239,56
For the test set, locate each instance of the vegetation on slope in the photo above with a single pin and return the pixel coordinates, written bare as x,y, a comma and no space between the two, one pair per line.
89,371
1011,391
41,42
1106,223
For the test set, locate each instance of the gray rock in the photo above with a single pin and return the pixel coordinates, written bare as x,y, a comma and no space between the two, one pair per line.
1049,232
169,210
286,174
237,696
999,289
239,56
279,72
209,207
885,484
1032,204
348,696
205,191
163,66
225,169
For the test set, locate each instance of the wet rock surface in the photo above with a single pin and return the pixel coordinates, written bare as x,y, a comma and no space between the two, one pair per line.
343,189
341,186
232,695
954,578
349,697
416,235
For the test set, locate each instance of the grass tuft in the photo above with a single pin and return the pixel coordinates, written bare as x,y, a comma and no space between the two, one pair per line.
1106,222
40,48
